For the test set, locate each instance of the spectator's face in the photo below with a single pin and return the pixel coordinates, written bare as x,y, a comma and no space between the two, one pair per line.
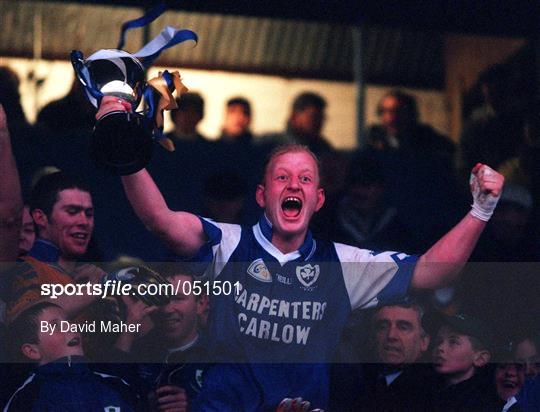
291,194
453,354
71,222
55,345
399,335
178,319
237,120
509,379
308,121
527,354
391,115
186,120
27,234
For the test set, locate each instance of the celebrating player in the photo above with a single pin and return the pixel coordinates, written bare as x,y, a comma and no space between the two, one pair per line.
295,292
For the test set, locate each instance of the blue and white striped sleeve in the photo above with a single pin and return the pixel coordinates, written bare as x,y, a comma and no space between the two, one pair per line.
373,279
223,238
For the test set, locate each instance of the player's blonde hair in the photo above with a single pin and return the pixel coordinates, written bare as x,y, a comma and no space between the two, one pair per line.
289,148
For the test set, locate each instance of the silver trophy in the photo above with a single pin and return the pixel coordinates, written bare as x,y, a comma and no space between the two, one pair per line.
122,142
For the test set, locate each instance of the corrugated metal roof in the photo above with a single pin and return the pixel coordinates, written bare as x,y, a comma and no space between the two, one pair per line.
248,44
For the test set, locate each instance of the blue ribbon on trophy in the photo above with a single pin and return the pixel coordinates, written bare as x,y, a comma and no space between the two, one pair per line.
122,142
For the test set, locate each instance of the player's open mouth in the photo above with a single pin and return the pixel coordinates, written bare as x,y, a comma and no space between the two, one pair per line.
291,206
74,342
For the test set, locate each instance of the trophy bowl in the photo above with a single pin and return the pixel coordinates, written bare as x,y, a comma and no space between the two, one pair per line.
121,142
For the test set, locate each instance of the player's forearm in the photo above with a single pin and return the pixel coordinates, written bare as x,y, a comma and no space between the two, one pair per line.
442,263
181,231
146,199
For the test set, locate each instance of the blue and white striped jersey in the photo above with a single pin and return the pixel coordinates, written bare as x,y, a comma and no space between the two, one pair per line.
285,318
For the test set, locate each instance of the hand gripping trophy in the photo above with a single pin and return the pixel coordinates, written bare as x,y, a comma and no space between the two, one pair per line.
122,142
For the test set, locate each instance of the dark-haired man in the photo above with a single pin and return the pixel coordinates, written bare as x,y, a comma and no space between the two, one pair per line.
394,378
63,213
174,353
304,125
237,121
400,128
186,117
399,382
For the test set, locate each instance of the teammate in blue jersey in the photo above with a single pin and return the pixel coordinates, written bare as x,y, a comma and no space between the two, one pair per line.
293,293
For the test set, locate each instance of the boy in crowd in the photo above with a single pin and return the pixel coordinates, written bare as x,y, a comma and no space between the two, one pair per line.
461,350
62,380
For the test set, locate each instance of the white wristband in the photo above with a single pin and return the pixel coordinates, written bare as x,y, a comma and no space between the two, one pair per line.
483,204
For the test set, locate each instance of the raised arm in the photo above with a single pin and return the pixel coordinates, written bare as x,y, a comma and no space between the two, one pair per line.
11,205
181,231
442,263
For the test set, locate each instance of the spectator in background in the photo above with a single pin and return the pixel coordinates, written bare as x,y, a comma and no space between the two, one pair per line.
181,348
526,351
63,211
26,141
400,128
462,348
186,118
237,121
509,237
399,381
509,377
304,125
169,360
523,169
224,195
494,132
419,167
362,216
73,112
10,98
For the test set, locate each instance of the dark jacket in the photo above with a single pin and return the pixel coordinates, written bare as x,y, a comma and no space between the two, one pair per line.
474,394
69,385
410,391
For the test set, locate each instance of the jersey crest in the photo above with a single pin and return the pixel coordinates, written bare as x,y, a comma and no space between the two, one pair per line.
259,271
307,274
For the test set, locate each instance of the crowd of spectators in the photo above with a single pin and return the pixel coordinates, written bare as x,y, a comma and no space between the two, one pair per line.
472,346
